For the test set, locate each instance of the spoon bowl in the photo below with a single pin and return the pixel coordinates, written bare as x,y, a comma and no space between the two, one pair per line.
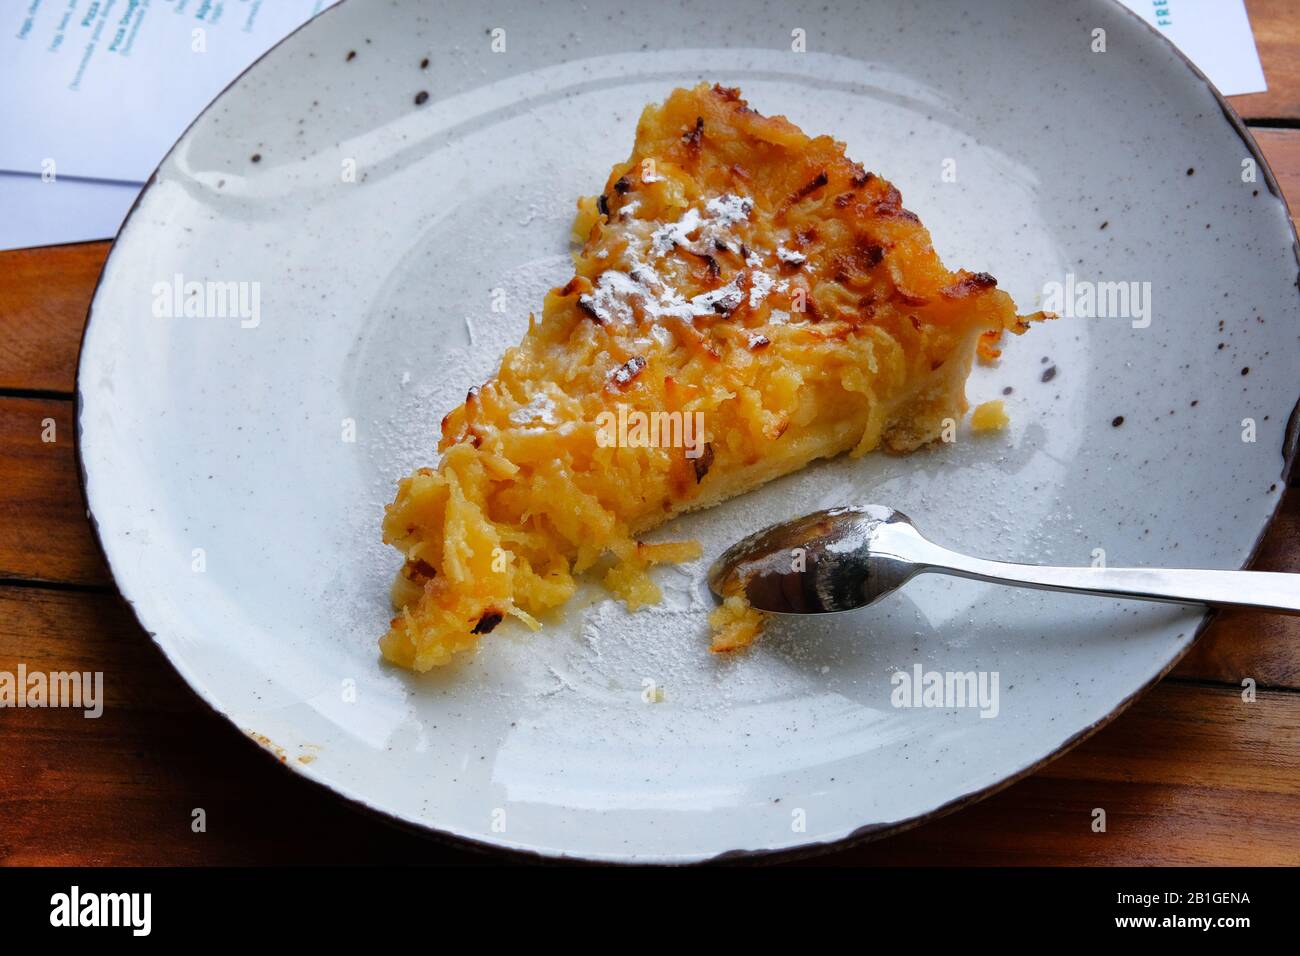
829,561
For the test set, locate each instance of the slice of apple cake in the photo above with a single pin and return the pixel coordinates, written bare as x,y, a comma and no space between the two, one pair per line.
746,300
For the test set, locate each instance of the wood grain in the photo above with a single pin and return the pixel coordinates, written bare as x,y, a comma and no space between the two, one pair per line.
121,789
1191,774
44,295
1281,147
1278,40
44,534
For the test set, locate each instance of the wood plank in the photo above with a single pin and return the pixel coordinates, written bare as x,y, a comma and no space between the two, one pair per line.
44,534
43,302
120,789
1277,35
1190,774
1281,147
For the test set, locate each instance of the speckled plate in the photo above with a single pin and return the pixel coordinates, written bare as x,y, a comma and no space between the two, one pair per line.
386,175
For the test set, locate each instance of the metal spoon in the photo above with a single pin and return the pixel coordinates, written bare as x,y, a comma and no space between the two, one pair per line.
846,558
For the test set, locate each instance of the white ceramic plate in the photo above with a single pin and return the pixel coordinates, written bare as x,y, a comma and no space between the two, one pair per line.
243,527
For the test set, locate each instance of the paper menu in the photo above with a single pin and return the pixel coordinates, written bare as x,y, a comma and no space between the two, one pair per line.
103,88
38,212
1214,34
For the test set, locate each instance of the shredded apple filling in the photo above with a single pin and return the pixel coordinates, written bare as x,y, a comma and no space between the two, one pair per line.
746,300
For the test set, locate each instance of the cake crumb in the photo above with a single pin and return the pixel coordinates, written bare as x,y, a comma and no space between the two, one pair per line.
735,624
989,417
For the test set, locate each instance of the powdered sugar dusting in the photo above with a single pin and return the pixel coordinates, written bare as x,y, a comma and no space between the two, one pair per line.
540,411
790,256
710,231
641,292
671,235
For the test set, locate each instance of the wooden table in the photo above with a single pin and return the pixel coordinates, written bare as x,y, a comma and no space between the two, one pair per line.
1190,774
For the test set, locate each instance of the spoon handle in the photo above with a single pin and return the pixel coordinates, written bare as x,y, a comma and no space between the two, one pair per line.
1267,590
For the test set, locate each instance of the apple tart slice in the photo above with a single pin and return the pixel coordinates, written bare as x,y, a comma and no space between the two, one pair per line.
746,300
